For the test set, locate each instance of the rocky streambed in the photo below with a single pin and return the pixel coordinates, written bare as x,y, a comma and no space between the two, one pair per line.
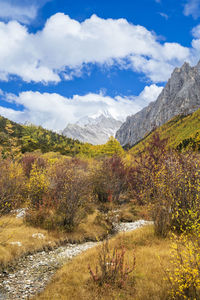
31,274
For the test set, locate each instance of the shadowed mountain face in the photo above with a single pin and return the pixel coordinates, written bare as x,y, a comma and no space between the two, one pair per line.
94,130
181,95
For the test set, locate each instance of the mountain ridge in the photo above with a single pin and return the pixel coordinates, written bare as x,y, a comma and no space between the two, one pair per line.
181,95
181,133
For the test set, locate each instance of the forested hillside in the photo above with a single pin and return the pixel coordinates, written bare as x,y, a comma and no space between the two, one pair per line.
28,138
182,133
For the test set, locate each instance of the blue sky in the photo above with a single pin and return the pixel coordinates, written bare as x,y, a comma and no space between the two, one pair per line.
62,60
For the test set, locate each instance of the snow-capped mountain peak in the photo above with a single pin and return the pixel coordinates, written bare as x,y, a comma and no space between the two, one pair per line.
94,118
95,129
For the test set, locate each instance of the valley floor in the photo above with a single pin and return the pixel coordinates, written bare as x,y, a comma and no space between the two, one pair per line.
148,281
31,274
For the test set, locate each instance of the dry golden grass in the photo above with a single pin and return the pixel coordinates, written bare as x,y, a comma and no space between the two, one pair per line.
130,212
147,282
88,230
13,230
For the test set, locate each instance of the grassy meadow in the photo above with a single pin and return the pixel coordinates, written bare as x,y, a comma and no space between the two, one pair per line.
147,281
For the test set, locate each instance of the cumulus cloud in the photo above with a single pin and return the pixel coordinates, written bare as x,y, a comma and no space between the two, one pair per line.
192,7
54,111
23,11
11,114
66,46
196,32
149,94
195,51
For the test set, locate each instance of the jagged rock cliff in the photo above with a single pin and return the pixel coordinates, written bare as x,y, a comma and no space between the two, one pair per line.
181,95
95,130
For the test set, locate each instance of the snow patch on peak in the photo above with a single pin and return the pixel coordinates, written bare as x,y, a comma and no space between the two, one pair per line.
95,129
94,118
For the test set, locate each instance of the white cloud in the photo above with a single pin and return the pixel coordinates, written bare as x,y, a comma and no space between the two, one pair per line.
149,94
195,51
54,111
153,69
192,7
22,14
11,114
196,32
18,55
64,46
21,10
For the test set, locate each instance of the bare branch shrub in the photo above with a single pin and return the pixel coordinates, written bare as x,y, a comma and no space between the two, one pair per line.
29,159
110,180
112,268
169,182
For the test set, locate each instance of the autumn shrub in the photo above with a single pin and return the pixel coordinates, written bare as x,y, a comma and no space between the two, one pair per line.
44,216
168,182
184,272
40,217
176,193
70,189
110,180
12,185
37,186
142,173
146,179
108,220
58,195
29,159
112,268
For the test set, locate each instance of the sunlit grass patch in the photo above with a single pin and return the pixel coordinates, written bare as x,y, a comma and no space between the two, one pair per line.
17,239
73,281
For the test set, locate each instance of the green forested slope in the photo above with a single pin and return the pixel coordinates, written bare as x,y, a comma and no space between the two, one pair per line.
29,138
182,132
32,137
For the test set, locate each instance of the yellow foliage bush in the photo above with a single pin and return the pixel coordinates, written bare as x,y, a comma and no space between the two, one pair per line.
184,275
37,185
176,193
12,185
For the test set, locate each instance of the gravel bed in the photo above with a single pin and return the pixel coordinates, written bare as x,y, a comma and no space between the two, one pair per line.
125,227
31,274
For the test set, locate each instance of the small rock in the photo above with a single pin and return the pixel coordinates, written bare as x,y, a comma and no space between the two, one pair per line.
16,243
38,236
20,213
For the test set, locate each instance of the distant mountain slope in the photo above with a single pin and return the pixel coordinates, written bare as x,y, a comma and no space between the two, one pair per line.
182,132
95,130
16,139
181,95
32,137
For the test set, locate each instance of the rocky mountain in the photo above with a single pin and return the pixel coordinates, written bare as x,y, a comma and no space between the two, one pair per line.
94,129
181,95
